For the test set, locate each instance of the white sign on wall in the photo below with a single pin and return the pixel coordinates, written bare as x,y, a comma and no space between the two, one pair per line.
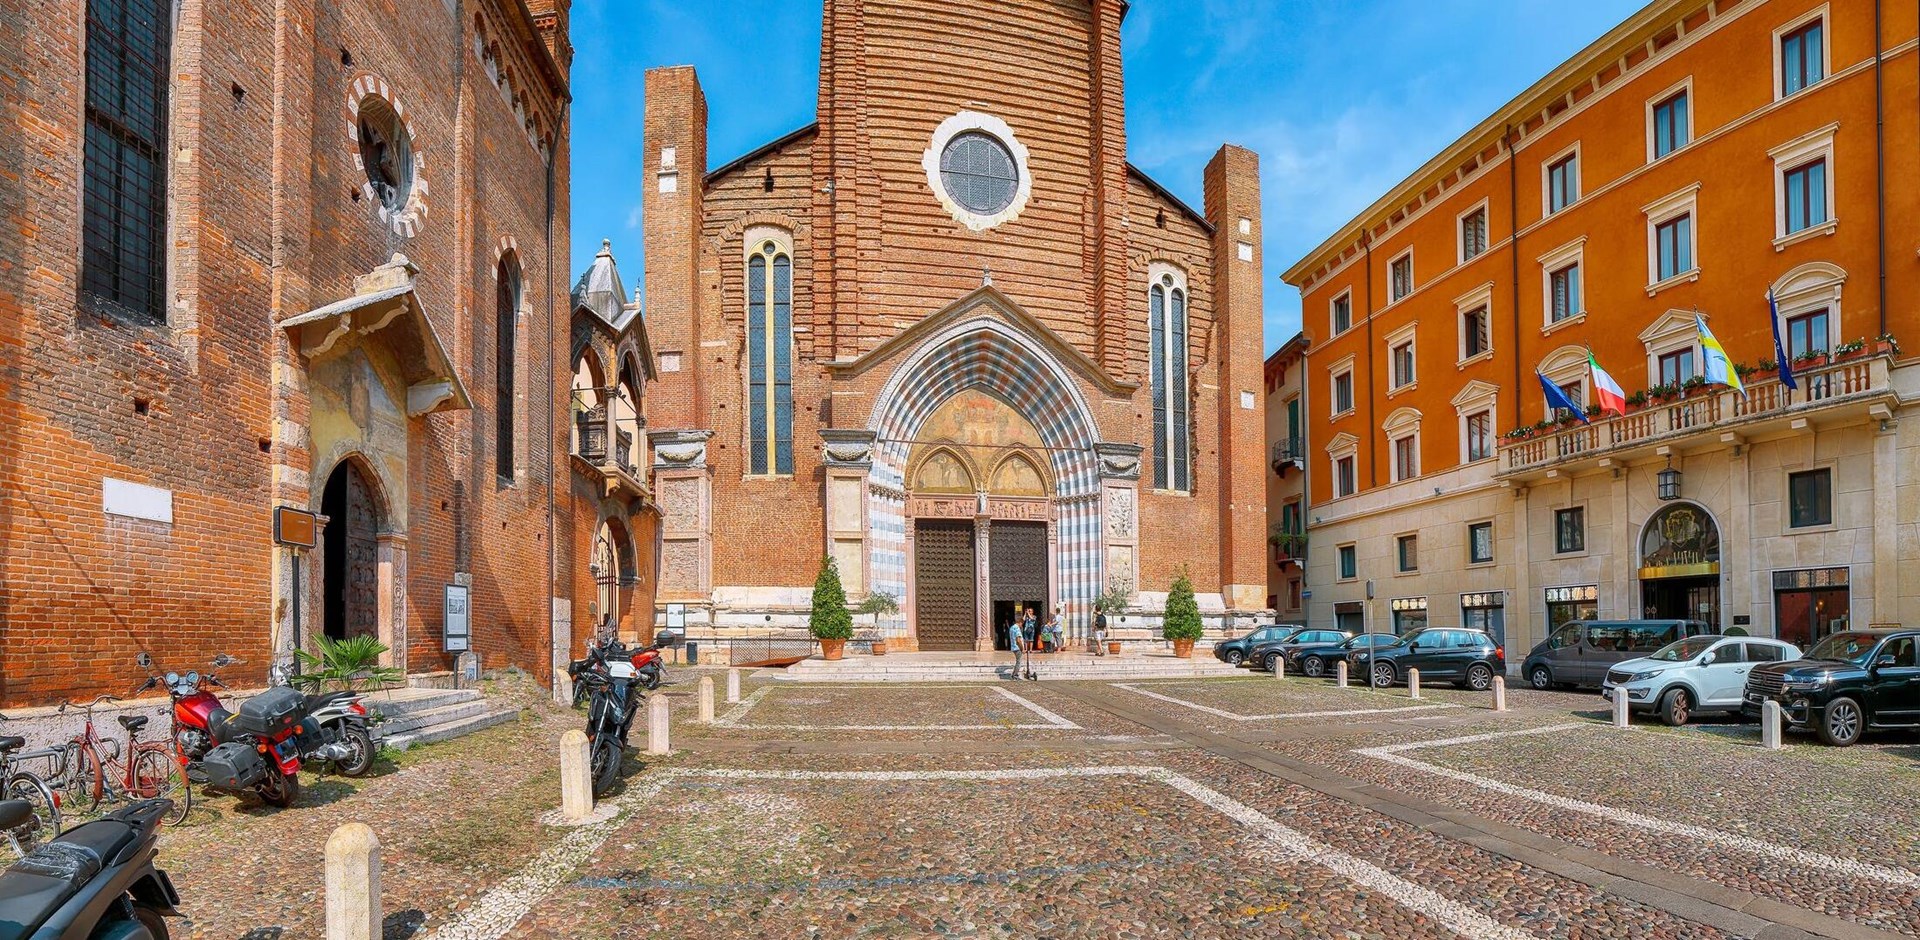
136,500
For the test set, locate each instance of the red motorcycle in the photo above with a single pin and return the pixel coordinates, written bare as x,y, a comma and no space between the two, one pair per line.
256,749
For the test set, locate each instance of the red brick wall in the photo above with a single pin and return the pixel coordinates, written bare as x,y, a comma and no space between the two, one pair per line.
264,225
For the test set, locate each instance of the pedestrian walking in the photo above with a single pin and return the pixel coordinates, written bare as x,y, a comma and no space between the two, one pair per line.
1016,640
1030,629
1100,633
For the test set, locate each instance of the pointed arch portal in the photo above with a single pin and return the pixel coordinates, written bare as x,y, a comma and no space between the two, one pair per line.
984,494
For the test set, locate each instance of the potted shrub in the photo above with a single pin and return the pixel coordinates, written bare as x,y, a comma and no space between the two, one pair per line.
1885,343
878,603
830,622
1182,621
349,665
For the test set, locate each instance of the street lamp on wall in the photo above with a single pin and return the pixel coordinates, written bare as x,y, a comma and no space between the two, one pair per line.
1669,482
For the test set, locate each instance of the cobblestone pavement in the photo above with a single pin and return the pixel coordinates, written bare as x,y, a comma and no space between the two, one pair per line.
1086,809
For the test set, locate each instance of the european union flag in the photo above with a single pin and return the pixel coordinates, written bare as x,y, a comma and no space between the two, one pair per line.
1557,398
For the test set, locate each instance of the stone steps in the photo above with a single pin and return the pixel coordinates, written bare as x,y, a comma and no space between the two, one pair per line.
904,669
421,715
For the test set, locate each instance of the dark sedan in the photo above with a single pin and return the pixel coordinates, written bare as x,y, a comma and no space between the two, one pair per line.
1467,658
1266,655
1234,652
1318,660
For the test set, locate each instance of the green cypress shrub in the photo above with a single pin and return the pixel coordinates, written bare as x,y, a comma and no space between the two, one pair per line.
830,619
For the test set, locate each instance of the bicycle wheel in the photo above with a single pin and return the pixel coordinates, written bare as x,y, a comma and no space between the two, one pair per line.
156,775
45,824
83,781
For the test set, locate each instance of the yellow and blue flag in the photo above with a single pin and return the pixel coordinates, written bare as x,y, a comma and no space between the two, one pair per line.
1714,364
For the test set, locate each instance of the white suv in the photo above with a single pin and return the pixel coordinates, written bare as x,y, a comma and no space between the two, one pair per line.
1699,673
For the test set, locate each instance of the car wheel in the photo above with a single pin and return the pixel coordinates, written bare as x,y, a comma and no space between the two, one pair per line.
1382,675
1313,667
1235,657
1479,677
1675,707
1541,677
1842,723
1272,662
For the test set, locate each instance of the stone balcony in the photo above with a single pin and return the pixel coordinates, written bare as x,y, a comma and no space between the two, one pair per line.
1853,390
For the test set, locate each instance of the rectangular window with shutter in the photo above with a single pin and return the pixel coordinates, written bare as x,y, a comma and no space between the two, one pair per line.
1400,277
1673,246
1565,283
1805,189
1473,333
1479,435
1473,234
1802,57
1563,183
1343,313
1670,127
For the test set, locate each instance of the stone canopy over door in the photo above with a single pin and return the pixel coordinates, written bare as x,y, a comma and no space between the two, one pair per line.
374,365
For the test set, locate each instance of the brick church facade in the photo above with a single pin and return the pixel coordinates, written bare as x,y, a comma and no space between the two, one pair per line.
291,254
950,337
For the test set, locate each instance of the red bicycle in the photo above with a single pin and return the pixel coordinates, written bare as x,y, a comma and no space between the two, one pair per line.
145,769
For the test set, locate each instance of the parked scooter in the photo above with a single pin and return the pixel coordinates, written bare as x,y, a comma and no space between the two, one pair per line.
337,730
95,881
256,749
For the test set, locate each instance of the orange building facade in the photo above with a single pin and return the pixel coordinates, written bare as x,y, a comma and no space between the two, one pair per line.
1691,161
950,338
1286,482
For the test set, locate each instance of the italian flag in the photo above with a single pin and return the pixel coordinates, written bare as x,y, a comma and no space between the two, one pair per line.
1606,392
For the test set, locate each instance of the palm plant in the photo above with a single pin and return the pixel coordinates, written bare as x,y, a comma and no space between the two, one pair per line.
352,664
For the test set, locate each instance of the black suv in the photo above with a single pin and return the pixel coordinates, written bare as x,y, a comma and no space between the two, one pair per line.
1849,682
1317,660
1234,652
1467,658
1266,655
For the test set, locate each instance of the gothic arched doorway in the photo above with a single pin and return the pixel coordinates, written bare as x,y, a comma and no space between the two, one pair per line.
351,553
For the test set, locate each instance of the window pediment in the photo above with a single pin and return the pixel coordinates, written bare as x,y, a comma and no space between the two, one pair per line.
1401,421
1344,442
1475,395
1667,325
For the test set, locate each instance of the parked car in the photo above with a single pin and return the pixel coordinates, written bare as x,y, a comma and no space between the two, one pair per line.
1698,674
1266,655
1234,652
1581,651
1316,660
1847,684
1467,658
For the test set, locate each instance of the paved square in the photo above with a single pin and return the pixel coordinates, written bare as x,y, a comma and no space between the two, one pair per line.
823,708
1016,852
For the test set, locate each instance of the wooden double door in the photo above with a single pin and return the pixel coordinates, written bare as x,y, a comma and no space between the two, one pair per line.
947,571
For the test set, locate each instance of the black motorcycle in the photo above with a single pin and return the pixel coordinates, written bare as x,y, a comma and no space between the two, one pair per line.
607,679
95,882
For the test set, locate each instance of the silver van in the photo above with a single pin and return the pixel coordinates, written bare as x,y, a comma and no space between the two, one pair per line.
1579,652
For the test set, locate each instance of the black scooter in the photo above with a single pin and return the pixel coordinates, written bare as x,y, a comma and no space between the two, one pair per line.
95,882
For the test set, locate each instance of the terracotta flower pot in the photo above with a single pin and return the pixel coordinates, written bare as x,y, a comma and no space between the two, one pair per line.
1183,649
879,647
832,649
1113,647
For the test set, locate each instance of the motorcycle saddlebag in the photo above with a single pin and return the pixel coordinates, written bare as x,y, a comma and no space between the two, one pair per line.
234,766
271,713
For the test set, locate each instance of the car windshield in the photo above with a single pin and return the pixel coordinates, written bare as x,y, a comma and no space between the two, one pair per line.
1684,650
1845,647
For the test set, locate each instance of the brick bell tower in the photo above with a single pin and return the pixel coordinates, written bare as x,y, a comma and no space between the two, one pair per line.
1233,208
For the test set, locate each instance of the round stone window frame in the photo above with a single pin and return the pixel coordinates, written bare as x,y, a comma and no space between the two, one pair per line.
404,219
974,122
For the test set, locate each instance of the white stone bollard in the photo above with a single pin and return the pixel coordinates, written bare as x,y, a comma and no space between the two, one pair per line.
706,700
657,725
1279,667
733,686
1499,693
353,883
1770,726
1621,718
576,776
1413,683
1340,674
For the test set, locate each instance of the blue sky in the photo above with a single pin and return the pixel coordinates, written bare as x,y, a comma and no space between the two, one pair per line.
1376,88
